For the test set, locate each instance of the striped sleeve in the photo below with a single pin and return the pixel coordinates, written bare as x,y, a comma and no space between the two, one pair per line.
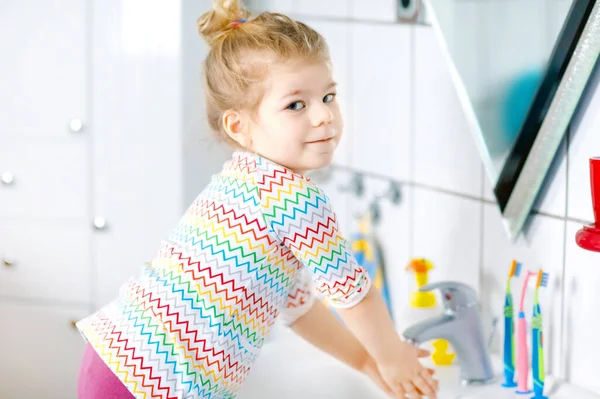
299,214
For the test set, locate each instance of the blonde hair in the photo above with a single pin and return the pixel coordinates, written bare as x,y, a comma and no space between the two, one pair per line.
241,48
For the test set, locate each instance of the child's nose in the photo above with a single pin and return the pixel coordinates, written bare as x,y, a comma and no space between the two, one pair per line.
321,114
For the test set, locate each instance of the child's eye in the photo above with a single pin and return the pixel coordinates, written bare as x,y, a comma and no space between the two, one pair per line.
296,106
329,98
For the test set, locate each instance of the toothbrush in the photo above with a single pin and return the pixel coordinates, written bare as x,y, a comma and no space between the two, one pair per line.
522,357
537,344
509,329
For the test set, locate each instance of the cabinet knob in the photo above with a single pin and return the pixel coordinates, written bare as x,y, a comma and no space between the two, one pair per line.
8,261
74,324
76,125
7,178
99,223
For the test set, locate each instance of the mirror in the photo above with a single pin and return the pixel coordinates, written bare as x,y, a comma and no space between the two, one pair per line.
520,68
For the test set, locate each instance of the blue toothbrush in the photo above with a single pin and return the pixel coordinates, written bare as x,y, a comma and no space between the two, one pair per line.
509,330
537,345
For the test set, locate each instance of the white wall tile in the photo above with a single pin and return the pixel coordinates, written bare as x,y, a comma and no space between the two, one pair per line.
584,143
446,18
581,324
467,45
381,108
541,246
328,8
445,154
393,233
552,197
488,188
337,36
333,183
447,230
281,6
374,10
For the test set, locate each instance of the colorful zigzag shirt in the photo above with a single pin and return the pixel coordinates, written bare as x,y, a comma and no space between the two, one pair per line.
255,244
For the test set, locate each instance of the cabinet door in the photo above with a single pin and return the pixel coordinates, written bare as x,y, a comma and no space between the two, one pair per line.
137,160
43,67
44,178
45,260
41,351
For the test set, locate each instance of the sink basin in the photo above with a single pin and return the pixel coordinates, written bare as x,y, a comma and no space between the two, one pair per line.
290,368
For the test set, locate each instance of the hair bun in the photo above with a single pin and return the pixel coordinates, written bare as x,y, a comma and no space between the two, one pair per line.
213,24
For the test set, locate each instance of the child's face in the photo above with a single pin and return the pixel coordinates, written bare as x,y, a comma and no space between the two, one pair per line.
298,122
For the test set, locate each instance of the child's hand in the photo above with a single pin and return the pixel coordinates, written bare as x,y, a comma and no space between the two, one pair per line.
404,375
369,368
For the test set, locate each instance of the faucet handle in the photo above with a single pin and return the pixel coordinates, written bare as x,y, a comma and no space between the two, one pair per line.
454,294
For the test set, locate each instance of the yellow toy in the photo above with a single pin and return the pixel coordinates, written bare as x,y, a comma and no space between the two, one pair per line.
423,305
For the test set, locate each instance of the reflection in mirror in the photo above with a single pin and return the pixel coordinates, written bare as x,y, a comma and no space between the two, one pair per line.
511,60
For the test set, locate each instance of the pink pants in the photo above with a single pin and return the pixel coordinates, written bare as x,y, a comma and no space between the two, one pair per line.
97,381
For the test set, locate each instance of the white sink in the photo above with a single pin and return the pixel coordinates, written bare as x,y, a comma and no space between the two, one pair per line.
290,368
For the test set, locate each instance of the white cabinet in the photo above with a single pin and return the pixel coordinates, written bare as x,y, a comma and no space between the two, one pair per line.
43,68
40,351
45,196
136,138
41,260
50,178
90,128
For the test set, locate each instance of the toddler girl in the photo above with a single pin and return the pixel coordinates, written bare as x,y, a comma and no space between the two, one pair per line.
255,244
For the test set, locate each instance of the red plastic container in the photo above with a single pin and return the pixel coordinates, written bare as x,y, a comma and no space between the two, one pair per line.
589,236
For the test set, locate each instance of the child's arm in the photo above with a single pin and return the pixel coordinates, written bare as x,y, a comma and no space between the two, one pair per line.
313,321
321,328
300,215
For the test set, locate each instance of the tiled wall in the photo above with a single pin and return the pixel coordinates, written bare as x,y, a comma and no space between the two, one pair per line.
403,120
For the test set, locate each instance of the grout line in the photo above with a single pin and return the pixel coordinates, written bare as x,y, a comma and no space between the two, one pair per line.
561,368
364,173
321,18
448,192
350,93
350,105
561,364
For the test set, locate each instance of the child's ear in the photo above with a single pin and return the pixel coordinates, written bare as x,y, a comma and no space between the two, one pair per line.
235,126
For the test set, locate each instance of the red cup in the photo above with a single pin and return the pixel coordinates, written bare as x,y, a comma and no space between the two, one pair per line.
589,236
595,182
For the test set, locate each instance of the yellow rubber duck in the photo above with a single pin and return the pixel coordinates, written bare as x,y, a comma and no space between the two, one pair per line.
440,356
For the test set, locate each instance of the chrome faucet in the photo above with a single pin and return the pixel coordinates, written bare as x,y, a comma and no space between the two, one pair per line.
460,325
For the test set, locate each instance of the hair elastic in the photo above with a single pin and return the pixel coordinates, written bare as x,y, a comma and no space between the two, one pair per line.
238,22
